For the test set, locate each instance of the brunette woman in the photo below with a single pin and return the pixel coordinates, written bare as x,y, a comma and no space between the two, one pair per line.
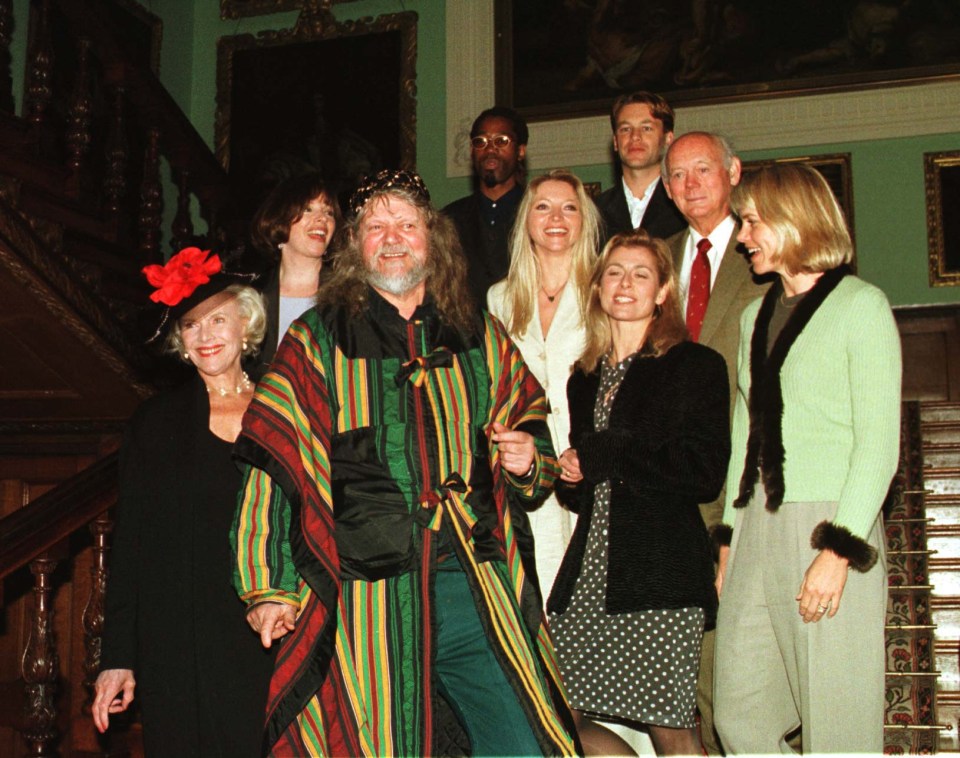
294,226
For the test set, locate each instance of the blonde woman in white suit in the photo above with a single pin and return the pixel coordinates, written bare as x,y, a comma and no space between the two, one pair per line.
553,247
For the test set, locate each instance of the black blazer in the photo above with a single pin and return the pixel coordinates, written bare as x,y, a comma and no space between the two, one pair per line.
665,451
271,300
486,247
661,219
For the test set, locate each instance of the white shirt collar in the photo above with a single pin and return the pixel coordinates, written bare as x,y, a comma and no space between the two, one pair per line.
638,205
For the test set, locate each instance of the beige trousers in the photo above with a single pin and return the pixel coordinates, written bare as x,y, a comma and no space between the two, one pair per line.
773,672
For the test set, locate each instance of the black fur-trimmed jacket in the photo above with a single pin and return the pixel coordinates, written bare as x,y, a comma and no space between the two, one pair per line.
665,451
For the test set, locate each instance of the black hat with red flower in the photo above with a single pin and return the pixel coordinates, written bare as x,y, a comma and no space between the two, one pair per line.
186,280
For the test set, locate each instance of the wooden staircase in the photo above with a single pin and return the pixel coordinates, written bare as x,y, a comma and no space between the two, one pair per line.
82,173
940,435
923,561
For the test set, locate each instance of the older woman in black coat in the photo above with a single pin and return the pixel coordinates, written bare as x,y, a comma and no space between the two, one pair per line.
650,441
175,635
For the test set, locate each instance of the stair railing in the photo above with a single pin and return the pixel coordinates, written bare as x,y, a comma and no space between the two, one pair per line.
35,536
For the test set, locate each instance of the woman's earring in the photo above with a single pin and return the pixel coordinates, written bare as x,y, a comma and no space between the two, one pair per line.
244,346
186,357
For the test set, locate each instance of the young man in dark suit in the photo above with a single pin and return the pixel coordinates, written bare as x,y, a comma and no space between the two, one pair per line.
642,125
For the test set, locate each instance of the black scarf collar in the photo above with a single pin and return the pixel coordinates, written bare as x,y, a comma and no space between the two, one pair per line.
765,443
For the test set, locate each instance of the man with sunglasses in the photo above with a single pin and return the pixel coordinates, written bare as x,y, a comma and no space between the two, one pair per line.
498,147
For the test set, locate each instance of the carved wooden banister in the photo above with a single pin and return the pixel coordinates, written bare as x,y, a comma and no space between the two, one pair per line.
41,664
36,528
184,148
35,535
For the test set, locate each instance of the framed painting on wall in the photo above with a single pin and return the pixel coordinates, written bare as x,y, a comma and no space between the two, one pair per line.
558,59
942,177
285,105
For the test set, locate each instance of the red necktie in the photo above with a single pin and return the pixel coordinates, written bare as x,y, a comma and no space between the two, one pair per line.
698,294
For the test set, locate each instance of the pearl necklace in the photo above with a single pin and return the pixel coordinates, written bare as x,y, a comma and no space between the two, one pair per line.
245,384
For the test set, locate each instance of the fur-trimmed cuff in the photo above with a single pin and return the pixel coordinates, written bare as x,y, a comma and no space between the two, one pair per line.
828,536
721,534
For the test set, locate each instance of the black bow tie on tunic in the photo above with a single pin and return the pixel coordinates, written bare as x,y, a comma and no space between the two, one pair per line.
417,368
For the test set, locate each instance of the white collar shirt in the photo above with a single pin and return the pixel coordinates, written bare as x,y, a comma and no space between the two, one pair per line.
638,205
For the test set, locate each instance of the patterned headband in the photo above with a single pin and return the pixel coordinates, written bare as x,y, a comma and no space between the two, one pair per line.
384,181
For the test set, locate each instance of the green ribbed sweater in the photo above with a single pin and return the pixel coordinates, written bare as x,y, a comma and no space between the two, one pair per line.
841,406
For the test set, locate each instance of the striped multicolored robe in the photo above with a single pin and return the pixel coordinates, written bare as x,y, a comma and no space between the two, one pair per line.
367,450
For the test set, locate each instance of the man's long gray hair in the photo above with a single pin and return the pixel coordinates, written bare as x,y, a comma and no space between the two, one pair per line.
446,282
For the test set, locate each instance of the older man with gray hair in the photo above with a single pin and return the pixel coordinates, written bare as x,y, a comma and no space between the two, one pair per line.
700,171
381,535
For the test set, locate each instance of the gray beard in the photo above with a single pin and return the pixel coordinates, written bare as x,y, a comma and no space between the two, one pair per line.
397,285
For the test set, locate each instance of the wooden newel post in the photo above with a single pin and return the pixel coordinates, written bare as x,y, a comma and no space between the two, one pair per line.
93,613
41,665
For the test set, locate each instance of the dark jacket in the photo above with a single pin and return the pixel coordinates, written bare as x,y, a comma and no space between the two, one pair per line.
271,301
666,450
661,218
486,247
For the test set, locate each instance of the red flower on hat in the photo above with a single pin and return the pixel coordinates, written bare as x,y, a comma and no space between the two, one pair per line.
181,275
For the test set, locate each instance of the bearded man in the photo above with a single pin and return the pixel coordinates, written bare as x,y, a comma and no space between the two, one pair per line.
381,534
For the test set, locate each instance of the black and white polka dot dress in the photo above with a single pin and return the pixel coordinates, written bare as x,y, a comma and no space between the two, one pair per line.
640,666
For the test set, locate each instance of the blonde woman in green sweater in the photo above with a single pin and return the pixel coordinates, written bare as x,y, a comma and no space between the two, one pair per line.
814,447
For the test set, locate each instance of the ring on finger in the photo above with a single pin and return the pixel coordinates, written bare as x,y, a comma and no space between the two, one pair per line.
822,609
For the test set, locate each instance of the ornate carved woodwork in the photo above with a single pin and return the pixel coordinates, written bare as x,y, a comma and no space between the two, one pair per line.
240,8
94,610
118,150
182,228
80,113
151,200
41,665
40,66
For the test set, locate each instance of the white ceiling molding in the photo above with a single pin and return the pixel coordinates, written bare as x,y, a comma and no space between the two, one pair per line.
880,113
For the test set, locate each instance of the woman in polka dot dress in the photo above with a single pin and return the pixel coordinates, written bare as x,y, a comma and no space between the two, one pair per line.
649,442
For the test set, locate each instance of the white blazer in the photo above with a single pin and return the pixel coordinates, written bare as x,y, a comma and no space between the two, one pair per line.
550,360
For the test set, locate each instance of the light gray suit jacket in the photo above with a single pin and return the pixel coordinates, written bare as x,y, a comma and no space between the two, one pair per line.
733,289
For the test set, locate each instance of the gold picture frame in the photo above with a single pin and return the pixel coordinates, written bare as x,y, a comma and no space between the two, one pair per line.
338,98
942,179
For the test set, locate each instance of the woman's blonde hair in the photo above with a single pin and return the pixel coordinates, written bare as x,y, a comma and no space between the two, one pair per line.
798,205
523,277
250,305
667,327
